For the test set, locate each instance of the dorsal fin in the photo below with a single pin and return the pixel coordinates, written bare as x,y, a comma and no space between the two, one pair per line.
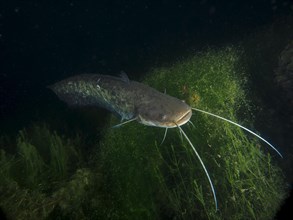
124,76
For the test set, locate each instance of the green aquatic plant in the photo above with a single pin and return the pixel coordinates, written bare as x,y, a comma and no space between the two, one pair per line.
77,196
147,180
31,179
72,200
44,155
30,163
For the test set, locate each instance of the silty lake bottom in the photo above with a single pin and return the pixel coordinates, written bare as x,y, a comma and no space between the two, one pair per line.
61,162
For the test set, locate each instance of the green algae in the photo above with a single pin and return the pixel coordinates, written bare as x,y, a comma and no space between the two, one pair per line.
32,179
147,180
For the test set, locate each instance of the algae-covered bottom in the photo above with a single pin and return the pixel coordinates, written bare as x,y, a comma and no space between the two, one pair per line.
132,176
147,180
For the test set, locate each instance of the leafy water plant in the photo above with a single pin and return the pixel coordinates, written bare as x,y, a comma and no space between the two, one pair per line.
29,179
147,180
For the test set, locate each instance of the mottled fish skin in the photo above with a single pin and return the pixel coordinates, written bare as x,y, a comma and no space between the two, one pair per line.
129,99
96,90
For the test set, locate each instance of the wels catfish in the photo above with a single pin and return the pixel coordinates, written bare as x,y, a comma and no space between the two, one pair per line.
134,101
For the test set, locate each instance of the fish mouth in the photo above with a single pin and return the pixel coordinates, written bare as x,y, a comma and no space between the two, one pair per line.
178,121
184,118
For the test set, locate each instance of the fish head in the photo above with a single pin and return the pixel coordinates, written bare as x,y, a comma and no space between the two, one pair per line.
166,112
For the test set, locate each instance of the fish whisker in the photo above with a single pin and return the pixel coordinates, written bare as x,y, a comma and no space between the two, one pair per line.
203,166
123,123
191,123
165,134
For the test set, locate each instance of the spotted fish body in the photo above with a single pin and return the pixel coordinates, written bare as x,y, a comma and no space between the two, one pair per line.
126,98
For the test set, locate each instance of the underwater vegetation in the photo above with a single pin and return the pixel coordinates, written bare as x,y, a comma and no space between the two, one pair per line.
41,175
150,180
130,174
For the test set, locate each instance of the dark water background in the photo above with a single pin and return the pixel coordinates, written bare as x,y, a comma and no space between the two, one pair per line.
42,42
